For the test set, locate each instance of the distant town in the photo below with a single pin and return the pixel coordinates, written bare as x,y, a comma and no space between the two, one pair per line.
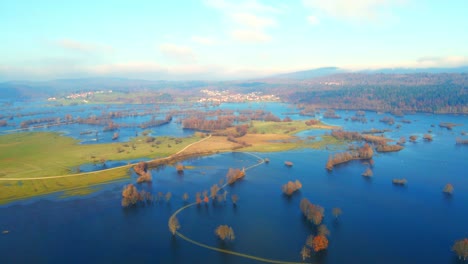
226,96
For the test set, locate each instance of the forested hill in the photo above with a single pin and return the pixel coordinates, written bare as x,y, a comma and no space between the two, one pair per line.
325,88
437,93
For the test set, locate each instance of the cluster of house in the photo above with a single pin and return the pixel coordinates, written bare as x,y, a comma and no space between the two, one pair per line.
226,96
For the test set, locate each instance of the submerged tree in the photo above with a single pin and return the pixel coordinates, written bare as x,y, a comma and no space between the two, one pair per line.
368,173
323,230
312,212
290,187
448,189
234,174
214,190
130,195
234,199
168,196
185,197
225,232
336,212
173,225
461,248
319,242
305,253
180,168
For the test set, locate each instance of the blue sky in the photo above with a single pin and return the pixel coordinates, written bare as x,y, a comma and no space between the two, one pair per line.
225,39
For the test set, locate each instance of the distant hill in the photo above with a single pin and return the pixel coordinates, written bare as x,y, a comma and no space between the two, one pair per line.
327,71
308,74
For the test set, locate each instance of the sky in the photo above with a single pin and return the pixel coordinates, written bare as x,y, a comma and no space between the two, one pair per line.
225,39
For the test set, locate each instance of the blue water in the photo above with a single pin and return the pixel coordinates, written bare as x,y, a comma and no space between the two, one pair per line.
381,223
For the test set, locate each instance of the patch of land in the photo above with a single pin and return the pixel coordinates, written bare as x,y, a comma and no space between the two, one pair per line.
39,163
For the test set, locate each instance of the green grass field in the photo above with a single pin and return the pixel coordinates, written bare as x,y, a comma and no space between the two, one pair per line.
286,128
41,154
44,154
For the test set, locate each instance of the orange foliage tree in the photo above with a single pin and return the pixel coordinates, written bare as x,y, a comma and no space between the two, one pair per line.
234,174
225,232
173,225
290,187
461,248
319,242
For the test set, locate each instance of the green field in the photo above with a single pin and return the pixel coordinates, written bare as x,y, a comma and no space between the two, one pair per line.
289,128
53,158
41,154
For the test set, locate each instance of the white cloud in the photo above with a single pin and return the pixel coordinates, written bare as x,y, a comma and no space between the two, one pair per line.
313,20
249,18
82,47
355,10
204,40
246,5
252,36
177,52
252,21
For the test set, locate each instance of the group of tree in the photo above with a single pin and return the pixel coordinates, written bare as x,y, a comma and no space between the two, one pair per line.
330,113
400,182
448,189
460,141
200,123
365,152
234,174
180,168
316,243
368,173
427,137
291,187
312,122
460,247
156,122
387,120
313,213
141,168
131,196
173,224
388,148
422,92
225,232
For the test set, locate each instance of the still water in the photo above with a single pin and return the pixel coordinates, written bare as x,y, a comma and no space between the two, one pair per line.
381,223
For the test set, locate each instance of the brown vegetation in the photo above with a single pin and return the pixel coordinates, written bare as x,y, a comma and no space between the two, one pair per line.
365,152
413,138
180,168
388,148
460,247
336,212
234,198
427,137
288,164
313,213
401,182
225,232
460,141
173,225
448,189
320,242
130,196
234,174
305,253
214,190
368,173
290,187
